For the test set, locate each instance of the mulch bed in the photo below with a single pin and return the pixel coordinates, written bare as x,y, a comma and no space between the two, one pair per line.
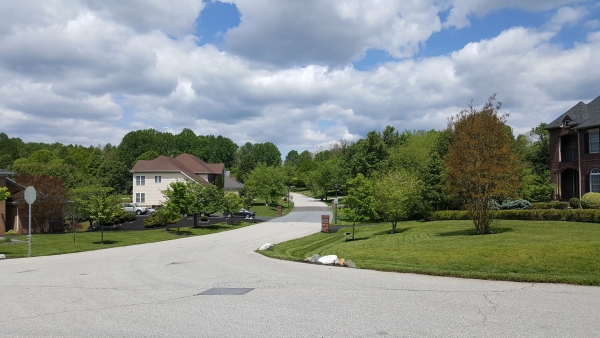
185,222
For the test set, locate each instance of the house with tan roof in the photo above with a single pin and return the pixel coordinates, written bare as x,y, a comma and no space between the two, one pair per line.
150,178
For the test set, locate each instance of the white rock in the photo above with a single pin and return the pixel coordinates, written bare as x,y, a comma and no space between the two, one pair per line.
266,246
331,259
2,256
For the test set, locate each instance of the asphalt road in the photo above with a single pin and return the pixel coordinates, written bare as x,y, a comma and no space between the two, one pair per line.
155,290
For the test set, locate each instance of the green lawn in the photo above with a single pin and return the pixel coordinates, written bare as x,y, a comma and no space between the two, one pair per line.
261,209
55,244
533,251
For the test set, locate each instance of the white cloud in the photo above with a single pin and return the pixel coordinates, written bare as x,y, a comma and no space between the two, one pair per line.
566,16
461,9
329,32
68,76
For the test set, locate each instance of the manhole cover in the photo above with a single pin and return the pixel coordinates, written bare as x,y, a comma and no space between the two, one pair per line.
226,291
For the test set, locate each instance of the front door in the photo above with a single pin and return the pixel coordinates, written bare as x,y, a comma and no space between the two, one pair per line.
569,184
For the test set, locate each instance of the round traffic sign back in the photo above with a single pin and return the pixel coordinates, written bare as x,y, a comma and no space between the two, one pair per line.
30,194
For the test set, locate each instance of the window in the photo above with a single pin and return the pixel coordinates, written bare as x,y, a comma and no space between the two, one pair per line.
157,179
140,197
595,180
595,142
140,180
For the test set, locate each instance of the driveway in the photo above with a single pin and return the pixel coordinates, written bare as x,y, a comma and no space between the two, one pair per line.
217,286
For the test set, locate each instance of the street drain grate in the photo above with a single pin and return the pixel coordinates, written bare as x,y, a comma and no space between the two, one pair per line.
226,291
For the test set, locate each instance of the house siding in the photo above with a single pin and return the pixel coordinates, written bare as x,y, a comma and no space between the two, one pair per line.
153,190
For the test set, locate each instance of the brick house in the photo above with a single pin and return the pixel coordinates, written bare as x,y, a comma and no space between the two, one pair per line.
150,178
575,151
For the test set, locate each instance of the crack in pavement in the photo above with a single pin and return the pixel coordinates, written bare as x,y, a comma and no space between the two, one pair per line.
99,308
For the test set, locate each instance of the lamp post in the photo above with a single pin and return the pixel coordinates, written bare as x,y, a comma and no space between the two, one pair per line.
336,203
288,197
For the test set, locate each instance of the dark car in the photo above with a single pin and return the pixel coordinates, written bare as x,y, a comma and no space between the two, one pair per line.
242,213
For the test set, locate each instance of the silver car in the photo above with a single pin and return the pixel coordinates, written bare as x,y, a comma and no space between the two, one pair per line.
134,207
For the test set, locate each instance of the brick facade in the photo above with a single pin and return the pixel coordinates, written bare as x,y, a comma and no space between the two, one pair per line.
571,161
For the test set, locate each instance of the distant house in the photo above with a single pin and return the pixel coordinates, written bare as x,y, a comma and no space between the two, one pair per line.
150,178
575,150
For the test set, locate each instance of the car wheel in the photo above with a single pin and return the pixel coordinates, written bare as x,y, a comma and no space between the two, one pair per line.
138,212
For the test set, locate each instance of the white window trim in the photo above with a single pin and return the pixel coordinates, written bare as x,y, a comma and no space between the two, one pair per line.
594,172
157,178
140,180
140,197
594,131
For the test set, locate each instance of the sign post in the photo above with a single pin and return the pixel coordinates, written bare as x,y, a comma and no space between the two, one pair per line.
30,195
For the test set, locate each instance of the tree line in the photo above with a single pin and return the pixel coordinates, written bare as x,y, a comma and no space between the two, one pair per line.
414,166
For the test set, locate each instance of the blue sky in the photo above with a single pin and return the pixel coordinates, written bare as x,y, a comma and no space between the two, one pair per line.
300,74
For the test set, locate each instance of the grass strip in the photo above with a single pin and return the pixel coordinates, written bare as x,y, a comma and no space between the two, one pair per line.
524,251
56,244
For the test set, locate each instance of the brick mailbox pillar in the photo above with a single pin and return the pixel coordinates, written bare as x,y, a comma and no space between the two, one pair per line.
279,210
324,223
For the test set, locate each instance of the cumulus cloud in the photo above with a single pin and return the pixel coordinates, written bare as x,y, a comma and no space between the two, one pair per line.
461,9
89,74
329,32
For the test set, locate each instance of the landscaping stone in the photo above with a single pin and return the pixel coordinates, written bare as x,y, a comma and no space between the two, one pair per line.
350,264
2,256
329,260
266,246
315,258
342,262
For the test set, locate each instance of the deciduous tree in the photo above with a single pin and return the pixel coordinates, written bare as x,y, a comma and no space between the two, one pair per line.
397,195
101,208
481,161
360,201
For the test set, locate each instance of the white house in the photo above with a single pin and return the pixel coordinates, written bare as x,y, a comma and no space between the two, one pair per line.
150,178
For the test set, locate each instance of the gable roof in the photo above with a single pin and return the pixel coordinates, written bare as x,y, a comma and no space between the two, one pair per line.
5,172
582,116
230,183
188,165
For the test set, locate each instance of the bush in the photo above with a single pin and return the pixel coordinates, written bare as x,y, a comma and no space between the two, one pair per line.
571,215
204,219
516,204
161,217
574,203
591,200
551,205
11,232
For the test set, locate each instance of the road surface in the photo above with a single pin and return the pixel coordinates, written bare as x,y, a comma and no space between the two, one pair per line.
217,286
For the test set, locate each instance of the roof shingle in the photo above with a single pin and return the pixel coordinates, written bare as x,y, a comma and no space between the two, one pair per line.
582,116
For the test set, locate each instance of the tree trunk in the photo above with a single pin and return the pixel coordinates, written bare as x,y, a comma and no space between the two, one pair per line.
195,220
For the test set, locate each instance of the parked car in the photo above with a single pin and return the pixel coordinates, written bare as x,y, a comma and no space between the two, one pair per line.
242,213
134,207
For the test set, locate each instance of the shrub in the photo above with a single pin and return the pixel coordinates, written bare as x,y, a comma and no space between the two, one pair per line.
591,200
574,203
495,205
161,217
516,204
204,219
551,205
571,215
10,232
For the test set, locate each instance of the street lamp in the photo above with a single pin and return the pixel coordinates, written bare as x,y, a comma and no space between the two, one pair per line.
336,203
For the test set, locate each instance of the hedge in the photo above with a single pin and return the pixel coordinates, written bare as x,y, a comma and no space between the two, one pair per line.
570,215
551,205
